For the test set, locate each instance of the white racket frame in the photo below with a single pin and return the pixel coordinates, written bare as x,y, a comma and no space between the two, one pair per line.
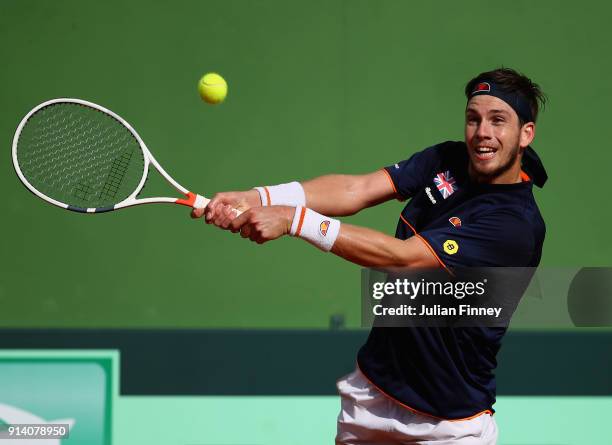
191,199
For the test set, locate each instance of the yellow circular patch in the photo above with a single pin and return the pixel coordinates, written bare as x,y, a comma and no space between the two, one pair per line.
451,247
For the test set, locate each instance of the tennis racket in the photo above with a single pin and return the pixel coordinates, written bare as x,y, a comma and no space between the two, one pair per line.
83,157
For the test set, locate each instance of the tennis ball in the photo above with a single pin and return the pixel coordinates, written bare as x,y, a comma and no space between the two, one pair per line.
212,88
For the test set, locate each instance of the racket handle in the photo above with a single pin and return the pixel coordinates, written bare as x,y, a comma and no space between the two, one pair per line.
199,202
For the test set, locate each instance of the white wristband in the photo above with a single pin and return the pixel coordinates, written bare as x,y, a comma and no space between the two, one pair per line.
291,194
315,228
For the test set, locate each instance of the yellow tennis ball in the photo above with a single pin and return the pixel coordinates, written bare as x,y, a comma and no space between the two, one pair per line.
212,88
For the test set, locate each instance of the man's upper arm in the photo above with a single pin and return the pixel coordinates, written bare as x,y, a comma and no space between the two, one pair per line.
375,188
398,181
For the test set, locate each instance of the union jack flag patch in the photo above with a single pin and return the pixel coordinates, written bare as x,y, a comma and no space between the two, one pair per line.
446,184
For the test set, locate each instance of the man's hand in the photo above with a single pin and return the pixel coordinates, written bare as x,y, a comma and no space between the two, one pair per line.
220,210
263,224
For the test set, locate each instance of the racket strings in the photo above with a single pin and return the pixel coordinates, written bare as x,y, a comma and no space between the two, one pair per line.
79,155
115,177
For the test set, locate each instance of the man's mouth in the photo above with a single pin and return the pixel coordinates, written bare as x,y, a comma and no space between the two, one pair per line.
485,153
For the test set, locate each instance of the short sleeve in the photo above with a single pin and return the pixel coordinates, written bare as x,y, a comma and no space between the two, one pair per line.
410,175
500,239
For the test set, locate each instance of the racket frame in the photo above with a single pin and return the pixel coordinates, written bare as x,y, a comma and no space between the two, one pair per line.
191,199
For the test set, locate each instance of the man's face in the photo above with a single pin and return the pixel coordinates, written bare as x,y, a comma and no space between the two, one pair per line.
494,137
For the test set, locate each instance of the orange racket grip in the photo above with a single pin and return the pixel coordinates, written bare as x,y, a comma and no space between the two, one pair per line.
196,201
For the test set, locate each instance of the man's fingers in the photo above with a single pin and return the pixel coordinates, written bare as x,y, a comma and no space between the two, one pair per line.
217,201
239,221
226,215
218,198
197,213
211,210
259,239
245,231
217,215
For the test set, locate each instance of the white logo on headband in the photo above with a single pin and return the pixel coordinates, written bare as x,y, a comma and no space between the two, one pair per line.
482,87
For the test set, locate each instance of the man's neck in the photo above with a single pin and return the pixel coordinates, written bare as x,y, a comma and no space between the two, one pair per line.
510,176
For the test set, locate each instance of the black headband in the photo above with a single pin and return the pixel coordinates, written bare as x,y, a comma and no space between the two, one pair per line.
516,100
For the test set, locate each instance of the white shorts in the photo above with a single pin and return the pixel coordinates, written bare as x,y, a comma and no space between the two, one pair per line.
368,417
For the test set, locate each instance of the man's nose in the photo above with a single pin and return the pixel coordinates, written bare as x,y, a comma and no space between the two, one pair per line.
484,130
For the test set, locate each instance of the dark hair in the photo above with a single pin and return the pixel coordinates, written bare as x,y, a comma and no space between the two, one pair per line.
512,81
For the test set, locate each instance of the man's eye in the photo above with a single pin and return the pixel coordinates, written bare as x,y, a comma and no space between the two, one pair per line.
498,120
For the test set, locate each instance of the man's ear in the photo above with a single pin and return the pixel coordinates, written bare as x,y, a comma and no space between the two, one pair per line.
527,136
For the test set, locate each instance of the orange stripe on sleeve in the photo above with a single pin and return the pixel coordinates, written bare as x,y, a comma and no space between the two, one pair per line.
390,180
431,249
408,224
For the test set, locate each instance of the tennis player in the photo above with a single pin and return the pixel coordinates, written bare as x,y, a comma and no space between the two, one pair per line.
470,204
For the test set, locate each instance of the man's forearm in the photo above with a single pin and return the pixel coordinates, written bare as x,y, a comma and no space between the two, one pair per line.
370,248
343,195
366,247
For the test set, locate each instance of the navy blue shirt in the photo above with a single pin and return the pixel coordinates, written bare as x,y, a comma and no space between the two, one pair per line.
449,373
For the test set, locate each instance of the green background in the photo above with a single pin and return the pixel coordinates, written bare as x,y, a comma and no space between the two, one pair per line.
314,87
